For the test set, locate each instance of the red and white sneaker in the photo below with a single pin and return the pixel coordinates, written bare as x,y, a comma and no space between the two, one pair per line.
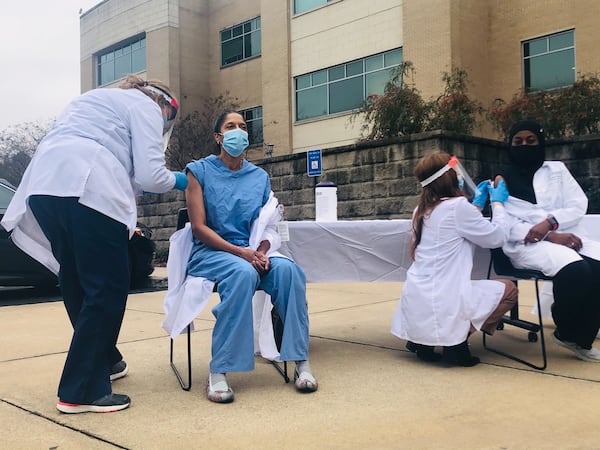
106,404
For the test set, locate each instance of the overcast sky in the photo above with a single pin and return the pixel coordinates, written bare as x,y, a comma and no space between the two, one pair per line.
39,58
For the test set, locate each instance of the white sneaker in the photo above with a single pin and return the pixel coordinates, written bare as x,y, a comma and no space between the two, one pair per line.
219,392
591,355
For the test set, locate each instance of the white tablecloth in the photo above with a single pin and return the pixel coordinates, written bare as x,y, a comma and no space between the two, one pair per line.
367,250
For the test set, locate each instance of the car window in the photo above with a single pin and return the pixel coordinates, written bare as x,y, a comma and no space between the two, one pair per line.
6,194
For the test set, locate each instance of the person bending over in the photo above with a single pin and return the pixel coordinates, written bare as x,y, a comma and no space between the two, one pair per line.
75,211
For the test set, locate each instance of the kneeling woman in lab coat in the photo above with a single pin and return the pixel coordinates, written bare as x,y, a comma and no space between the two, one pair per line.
440,305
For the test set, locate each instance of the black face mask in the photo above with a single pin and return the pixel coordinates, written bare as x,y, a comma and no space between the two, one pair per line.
527,157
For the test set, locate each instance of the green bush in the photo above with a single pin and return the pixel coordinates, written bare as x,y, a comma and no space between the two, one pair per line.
570,111
401,110
454,110
398,112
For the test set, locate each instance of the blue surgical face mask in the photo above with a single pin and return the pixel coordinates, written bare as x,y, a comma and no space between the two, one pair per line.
235,142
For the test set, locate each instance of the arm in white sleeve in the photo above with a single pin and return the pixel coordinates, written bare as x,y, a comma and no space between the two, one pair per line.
272,235
148,155
478,229
518,229
575,202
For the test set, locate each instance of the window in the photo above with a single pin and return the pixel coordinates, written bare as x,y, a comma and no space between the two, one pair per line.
122,59
304,5
240,42
344,87
549,62
254,122
6,195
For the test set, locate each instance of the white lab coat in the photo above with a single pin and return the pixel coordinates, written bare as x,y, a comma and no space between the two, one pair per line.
104,148
439,301
557,193
187,296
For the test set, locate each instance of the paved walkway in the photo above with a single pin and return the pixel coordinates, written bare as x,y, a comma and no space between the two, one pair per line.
373,393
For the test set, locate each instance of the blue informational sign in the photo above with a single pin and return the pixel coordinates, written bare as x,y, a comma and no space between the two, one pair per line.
313,163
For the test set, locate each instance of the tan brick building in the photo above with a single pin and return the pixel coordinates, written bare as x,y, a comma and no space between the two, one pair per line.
300,67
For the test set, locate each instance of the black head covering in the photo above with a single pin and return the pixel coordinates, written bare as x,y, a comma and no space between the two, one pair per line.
525,160
529,125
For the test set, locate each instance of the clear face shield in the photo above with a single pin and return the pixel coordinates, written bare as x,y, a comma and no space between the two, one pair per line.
174,108
467,185
167,130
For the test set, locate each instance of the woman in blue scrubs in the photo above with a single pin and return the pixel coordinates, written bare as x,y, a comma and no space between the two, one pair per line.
225,195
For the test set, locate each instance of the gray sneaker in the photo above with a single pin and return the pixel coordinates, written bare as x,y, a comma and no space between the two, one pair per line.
591,355
119,370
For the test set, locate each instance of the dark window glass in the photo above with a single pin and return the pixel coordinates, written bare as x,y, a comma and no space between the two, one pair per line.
122,66
240,42
354,68
252,45
254,122
549,62
345,95
120,60
375,81
238,31
344,87
138,60
550,71
373,63
311,103
232,51
393,58
336,73
319,77
106,72
302,82
304,5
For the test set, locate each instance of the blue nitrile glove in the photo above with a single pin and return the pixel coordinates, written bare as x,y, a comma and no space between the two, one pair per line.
181,181
481,198
499,193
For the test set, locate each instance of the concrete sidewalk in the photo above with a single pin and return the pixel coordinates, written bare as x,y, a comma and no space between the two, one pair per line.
373,393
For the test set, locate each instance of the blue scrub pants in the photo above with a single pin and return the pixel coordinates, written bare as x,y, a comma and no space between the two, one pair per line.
233,334
94,281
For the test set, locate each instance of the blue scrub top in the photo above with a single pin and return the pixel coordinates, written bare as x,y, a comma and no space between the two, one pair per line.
232,200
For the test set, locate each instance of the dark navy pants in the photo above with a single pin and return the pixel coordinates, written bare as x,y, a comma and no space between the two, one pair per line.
576,307
94,281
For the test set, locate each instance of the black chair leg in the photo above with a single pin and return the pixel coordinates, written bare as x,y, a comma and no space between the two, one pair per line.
278,335
282,372
533,329
185,386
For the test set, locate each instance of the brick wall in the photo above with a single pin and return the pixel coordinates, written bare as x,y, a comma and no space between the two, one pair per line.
375,180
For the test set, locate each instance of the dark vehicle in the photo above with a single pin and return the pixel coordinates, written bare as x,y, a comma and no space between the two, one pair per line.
19,269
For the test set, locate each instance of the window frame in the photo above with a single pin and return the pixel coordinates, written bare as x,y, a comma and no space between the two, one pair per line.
312,81
122,48
255,25
250,123
526,74
323,3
